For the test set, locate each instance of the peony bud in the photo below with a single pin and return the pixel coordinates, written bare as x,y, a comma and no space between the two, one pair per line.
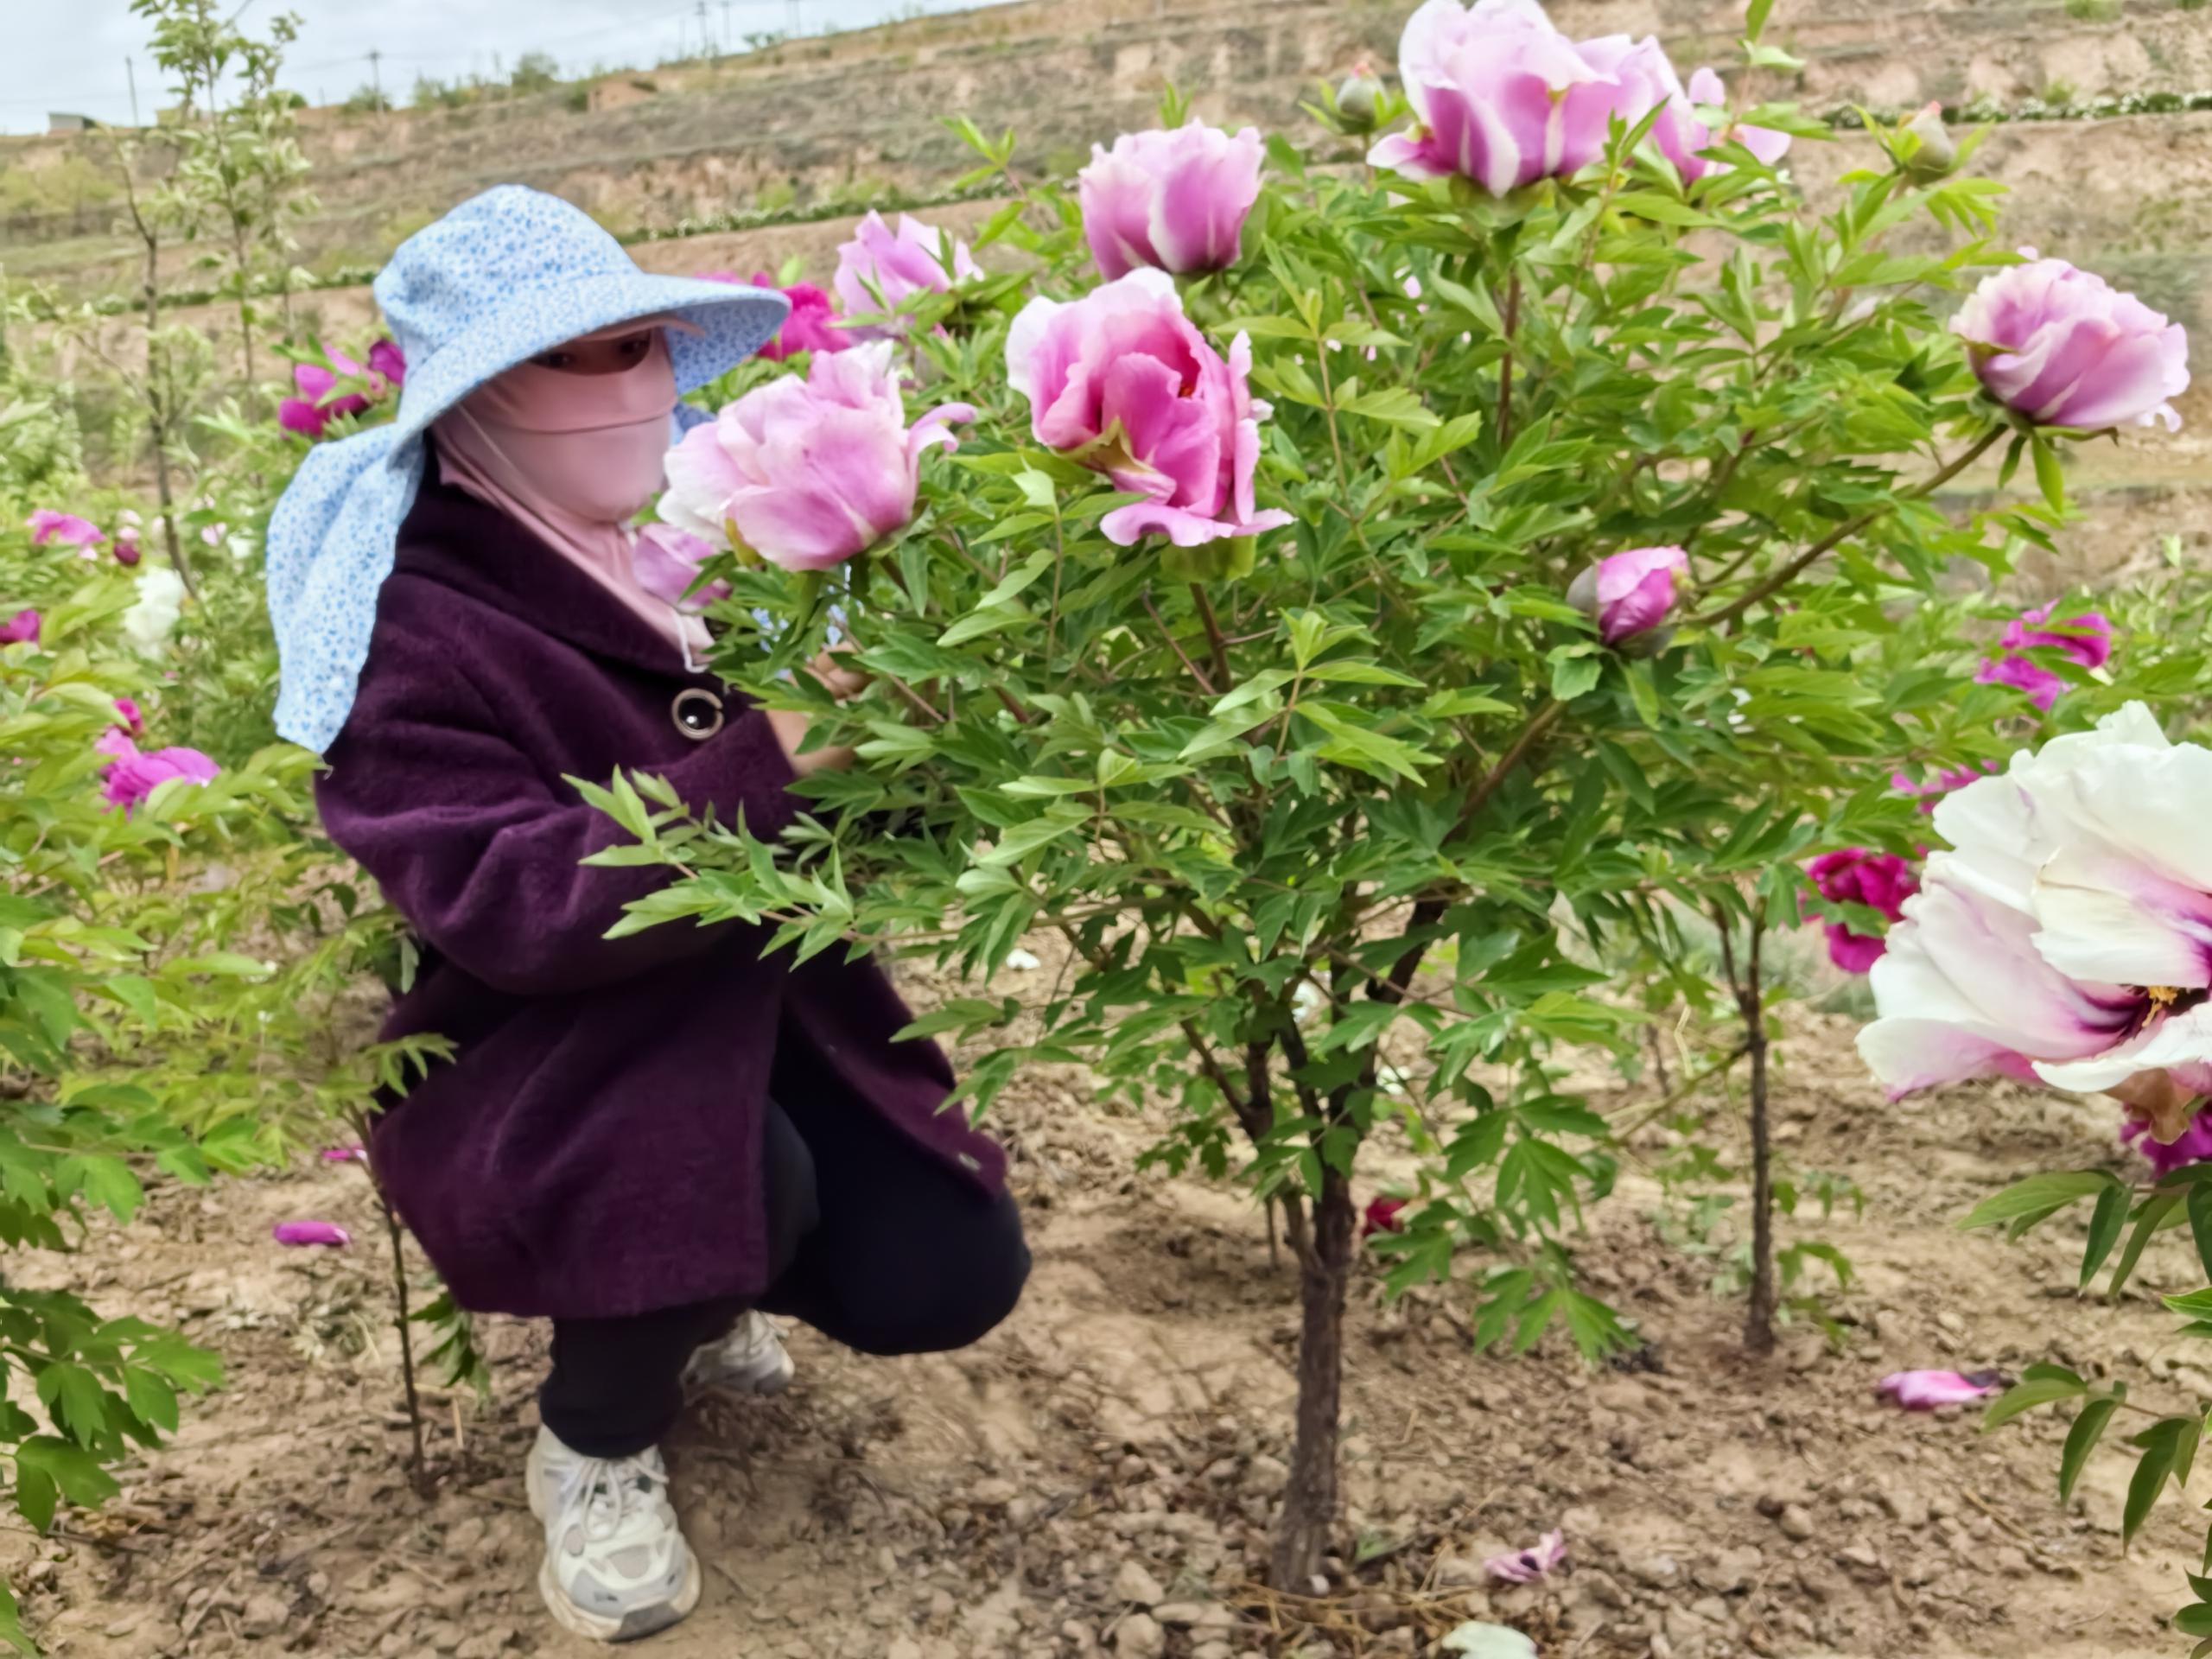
1937,154
1359,95
1628,594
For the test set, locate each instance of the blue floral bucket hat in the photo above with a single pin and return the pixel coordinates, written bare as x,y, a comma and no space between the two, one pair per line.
504,276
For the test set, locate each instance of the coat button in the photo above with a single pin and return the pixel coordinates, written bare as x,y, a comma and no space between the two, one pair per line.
697,713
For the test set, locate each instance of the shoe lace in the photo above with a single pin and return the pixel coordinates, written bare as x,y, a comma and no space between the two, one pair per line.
609,1490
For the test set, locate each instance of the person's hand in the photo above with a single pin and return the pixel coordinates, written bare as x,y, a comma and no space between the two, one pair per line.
841,679
790,727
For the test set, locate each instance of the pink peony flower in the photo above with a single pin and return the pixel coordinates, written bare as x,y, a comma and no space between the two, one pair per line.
2195,1145
1501,96
1174,200
130,777
1927,1390
1381,1215
1683,138
876,269
64,529
1881,881
2064,347
1527,1566
1121,381
328,1234
128,707
2087,639
320,403
667,562
20,629
344,1155
807,473
1631,592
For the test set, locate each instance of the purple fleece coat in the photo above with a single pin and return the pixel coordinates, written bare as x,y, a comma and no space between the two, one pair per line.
594,1149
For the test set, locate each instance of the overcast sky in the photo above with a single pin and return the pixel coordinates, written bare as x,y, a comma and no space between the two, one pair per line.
68,54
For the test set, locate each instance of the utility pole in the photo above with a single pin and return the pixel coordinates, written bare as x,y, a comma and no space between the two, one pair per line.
726,36
798,21
130,72
376,75
703,52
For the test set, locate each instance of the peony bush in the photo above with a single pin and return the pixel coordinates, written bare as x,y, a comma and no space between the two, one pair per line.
1362,613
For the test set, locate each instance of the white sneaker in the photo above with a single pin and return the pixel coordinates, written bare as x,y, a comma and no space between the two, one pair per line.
751,1359
616,1565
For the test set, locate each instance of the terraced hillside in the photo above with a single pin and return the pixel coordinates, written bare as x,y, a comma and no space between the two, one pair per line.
821,129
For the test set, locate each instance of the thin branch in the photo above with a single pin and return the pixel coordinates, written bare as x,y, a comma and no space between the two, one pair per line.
1505,363
1796,567
1173,645
1214,641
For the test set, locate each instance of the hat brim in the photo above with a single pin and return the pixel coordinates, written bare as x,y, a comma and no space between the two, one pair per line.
732,321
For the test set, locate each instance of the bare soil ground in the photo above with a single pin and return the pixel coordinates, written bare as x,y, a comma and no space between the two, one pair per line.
1098,1475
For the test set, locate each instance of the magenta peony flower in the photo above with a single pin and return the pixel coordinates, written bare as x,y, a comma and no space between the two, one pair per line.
65,528
1926,1390
20,629
344,1155
1527,1566
1935,789
1881,881
2087,639
667,562
2195,1145
1174,200
320,403
876,269
807,473
328,1234
811,326
2064,347
1381,1215
128,707
130,777
1501,96
1629,593
1121,381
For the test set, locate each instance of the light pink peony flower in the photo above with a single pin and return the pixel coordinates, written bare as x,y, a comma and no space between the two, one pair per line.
2067,937
2087,639
320,403
63,529
1629,593
1174,200
21,629
1927,1390
2064,347
1501,96
328,1234
807,473
1121,381
1855,875
130,777
876,263
1527,1566
667,562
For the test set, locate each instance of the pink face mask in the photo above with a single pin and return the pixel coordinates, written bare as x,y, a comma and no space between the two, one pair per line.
589,445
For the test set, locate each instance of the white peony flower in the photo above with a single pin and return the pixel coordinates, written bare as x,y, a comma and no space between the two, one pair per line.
149,623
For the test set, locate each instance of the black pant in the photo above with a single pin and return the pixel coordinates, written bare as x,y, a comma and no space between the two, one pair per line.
872,1241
